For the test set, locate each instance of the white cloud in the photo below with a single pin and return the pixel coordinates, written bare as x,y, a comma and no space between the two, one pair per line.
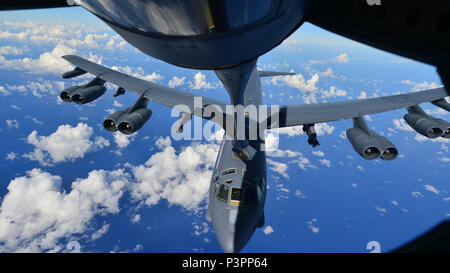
431,188
328,73
401,124
138,247
298,82
417,194
29,221
268,230
99,233
299,194
123,140
362,95
422,138
136,218
66,144
117,104
47,63
342,58
416,86
380,209
154,77
3,91
11,156
12,123
181,178
304,163
318,153
325,162
312,227
278,167
200,82
11,50
333,92
445,159
175,81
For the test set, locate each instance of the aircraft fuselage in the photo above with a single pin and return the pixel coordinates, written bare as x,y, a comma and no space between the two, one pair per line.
237,192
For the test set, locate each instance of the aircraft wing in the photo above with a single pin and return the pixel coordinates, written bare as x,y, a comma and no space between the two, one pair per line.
158,93
303,114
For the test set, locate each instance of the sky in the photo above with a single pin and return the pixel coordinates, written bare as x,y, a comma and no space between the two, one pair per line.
69,185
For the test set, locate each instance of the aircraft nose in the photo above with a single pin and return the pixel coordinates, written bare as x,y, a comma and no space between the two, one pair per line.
232,234
230,242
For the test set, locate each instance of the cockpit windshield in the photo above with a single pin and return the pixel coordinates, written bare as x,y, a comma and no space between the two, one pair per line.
181,17
222,192
236,194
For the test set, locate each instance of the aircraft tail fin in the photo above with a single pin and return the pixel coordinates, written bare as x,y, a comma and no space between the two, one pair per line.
274,73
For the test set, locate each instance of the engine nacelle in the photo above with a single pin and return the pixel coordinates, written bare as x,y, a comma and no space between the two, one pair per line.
66,94
133,121
423,125
88,94
445,127
110,123
388,150
364,144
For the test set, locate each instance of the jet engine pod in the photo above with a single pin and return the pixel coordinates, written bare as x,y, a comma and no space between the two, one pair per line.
133,121
67,93
365,145
88,94
388,150
445,126
423,125
110,123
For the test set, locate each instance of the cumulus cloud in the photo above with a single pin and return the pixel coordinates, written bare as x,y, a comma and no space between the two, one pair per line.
180,178
139,72
312,227
298,82
200,82
66,144
99,233
3,91
123,140
362,95
12,50
341,58
268,230
325,162
47,63
278,167
29,221
417,194
401,124
422,138
11,156
431,189
417,86
175,81
12,123
333,92
318,153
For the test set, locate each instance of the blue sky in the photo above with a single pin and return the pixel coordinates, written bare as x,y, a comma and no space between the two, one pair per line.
66,179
